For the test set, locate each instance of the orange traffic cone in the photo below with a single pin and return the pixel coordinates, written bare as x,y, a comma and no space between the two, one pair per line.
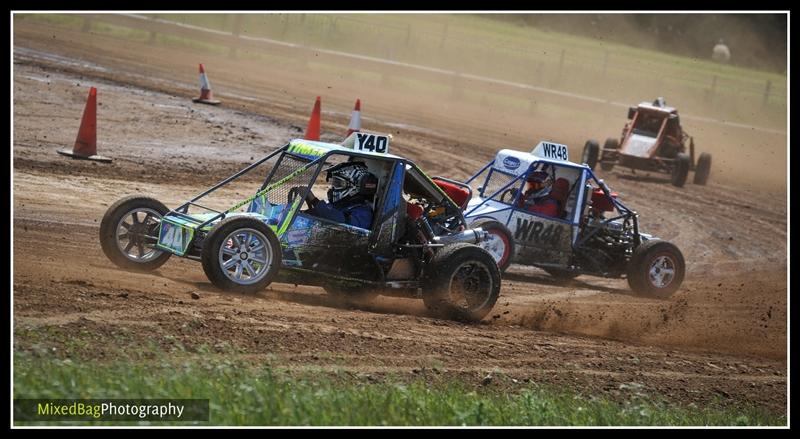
313,130
355,120
86,143
206,95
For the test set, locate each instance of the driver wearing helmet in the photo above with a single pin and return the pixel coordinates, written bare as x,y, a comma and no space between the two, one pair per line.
352,189
536,197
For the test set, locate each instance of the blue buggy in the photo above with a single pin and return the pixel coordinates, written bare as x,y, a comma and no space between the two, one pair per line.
418,244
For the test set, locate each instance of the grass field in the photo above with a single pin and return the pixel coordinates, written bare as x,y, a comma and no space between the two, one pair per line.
478,45
253,393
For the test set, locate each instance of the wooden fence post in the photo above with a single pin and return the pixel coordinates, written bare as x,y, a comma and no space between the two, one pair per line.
713,90
285,21
444,36
560,66
766,93
455,85
236,31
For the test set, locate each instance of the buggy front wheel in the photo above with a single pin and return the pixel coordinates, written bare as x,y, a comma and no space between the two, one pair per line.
241,254
656,269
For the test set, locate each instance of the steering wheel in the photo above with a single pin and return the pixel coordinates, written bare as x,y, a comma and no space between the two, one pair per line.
510,193
300,191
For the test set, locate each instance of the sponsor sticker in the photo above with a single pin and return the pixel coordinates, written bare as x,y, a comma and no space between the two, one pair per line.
511,163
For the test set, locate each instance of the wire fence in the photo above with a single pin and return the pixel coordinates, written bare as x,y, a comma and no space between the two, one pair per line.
545,62
511,56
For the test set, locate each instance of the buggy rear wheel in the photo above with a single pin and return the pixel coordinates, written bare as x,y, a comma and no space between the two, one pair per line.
241,254
129,233
680,170
611,145
703,169
462,282
591,151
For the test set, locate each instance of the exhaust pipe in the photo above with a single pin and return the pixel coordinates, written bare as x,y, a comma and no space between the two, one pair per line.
472,236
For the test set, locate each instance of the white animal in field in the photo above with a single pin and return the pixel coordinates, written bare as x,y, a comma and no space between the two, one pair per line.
721,53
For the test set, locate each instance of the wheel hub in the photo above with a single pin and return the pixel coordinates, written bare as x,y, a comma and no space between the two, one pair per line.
662,271
245,256
137,233
469,286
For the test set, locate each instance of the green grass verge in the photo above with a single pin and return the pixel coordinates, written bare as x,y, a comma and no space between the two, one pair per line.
244,393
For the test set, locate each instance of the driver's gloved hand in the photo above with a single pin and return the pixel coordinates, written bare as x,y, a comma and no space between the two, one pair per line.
306,194
311,199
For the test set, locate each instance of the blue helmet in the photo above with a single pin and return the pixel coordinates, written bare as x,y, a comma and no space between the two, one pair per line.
539,184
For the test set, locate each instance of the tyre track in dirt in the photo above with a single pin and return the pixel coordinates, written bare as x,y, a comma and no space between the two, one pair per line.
302,327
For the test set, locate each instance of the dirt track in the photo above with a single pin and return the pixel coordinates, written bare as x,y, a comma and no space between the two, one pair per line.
721,337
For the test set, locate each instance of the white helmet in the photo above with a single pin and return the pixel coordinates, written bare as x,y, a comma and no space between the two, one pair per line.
350,179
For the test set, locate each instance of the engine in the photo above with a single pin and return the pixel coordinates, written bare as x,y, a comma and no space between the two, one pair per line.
609,246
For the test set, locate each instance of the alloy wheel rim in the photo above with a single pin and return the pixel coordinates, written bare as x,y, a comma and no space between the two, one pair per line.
471,285
136,234
245,256
661,272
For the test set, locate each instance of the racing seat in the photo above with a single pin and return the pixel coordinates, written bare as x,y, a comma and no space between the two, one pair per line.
456,193
560,193
413,211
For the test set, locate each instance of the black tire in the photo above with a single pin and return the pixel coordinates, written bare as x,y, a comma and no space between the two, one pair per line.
144,234
501,232
703,169
643,274
562,276
680,170
455,268
221,236
591,151
610,145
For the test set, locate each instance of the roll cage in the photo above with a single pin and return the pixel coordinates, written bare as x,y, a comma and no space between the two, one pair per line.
579,214
314,155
